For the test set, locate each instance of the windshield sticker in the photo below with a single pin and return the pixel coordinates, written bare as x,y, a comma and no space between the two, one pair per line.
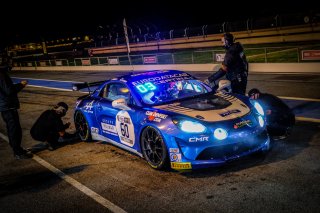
164,79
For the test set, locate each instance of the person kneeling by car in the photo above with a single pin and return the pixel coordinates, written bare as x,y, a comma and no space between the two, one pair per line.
49,127
280,118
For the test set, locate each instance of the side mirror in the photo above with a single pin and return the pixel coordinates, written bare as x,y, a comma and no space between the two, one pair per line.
120,104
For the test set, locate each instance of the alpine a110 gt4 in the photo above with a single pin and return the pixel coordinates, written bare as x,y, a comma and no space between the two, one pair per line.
171,118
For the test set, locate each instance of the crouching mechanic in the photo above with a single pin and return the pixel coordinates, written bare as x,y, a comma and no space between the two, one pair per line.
280,118
49,127
234,66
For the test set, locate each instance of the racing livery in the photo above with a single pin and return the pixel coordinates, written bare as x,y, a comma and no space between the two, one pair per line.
170,118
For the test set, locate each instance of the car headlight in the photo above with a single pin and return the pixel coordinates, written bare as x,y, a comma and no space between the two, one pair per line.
220,133
259,108
190,126
261,121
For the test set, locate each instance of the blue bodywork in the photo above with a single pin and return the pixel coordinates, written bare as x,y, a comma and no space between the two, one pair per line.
187,120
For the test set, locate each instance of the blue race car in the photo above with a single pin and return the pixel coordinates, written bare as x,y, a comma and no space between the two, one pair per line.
170,118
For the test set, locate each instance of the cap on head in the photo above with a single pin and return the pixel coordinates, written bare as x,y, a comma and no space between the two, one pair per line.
64,105
228,40
253,91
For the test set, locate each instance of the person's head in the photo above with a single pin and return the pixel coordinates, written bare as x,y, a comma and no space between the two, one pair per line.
6,63
61,109
227,40
254,93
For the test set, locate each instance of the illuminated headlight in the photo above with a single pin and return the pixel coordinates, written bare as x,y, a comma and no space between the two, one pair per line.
220,134
192,127
261,121
258,108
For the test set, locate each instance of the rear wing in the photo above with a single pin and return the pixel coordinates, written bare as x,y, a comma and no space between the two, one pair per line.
79,86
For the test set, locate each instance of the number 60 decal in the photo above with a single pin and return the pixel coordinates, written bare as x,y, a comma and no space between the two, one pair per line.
125,128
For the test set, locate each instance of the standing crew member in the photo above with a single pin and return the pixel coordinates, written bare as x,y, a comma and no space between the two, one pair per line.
234,66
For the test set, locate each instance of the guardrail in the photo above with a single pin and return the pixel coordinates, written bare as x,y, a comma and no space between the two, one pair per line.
284,68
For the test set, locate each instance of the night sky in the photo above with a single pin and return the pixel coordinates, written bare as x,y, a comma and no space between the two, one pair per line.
25,19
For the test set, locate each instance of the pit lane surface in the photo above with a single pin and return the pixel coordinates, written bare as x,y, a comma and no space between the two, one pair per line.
287,180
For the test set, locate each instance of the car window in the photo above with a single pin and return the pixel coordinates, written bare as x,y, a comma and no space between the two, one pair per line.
115,91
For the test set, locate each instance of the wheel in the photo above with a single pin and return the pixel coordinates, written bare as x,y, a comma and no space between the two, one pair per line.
154,149
82,126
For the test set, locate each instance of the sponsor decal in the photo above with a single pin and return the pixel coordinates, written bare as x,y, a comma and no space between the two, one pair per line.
88,107
125,128
174,157
242,123
109,128
124,119
234,111
155,116
174,150
94,130
176,165
199,139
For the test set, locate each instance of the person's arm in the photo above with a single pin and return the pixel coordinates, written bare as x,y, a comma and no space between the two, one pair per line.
220,73
20,86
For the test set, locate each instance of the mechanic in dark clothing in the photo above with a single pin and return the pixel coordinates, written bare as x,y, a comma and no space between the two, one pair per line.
234,66
280,118
9,105
49,126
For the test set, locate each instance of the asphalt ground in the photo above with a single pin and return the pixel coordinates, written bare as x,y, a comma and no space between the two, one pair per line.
98,177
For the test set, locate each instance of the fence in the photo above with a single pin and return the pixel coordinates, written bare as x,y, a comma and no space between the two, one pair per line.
286,54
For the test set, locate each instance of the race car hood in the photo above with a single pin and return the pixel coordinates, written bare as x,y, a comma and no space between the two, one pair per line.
209,107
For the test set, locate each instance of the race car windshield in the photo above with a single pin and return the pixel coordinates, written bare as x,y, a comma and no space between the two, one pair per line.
165,92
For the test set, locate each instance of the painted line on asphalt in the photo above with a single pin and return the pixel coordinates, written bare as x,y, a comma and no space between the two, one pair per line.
98,198
299,99
55,88
314,120
39,79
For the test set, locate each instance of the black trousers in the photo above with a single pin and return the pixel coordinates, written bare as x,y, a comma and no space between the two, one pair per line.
14,131
239,87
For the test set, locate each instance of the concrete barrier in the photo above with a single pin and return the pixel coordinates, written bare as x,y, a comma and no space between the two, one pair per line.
253,67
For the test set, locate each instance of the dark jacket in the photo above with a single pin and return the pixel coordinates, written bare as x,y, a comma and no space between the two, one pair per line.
47,125
8,91
281,114
236,62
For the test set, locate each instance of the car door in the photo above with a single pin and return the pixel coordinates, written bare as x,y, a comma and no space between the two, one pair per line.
115,124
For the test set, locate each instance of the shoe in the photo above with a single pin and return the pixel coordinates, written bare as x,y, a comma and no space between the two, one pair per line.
49,147
26,155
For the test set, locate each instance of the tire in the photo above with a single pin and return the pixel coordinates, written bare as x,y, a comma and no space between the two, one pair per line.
154,149
82,126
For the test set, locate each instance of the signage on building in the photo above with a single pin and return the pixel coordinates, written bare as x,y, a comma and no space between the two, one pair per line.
113,61
220,57
85,62
150,59
310,54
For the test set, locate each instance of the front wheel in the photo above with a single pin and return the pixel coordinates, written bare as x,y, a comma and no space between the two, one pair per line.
154,149
82,126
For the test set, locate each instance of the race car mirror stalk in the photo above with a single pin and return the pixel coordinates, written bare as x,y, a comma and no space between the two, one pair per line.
120,104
